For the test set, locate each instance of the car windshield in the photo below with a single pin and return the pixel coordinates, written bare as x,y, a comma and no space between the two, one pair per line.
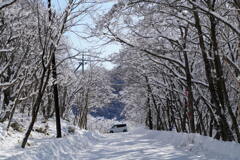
119,125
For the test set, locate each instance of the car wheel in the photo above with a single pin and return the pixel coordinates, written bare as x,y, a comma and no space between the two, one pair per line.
124,130
111,131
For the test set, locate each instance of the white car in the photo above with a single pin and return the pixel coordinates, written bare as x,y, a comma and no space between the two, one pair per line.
118,128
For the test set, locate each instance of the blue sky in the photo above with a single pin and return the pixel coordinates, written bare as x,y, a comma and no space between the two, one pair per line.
82,44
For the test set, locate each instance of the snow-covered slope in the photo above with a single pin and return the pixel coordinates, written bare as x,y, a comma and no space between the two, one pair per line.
201,147
138,143
52,149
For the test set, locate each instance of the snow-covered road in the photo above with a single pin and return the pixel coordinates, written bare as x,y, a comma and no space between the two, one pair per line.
138,144
133,146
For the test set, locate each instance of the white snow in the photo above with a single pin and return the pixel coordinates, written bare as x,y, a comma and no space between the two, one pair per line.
138,143
4,49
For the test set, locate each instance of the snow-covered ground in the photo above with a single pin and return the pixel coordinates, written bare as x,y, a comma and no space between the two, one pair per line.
138,143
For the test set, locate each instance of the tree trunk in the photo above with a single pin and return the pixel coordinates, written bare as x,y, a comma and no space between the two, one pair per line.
149,115
224,126
56,100
189,92
54,75
41,90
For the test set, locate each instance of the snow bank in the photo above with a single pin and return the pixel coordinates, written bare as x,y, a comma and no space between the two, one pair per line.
195,143
64,148
44,146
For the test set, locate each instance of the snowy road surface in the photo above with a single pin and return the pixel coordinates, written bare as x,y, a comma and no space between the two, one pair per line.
148,145
138,144
125,146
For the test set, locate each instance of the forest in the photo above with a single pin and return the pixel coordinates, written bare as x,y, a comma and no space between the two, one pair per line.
178,63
